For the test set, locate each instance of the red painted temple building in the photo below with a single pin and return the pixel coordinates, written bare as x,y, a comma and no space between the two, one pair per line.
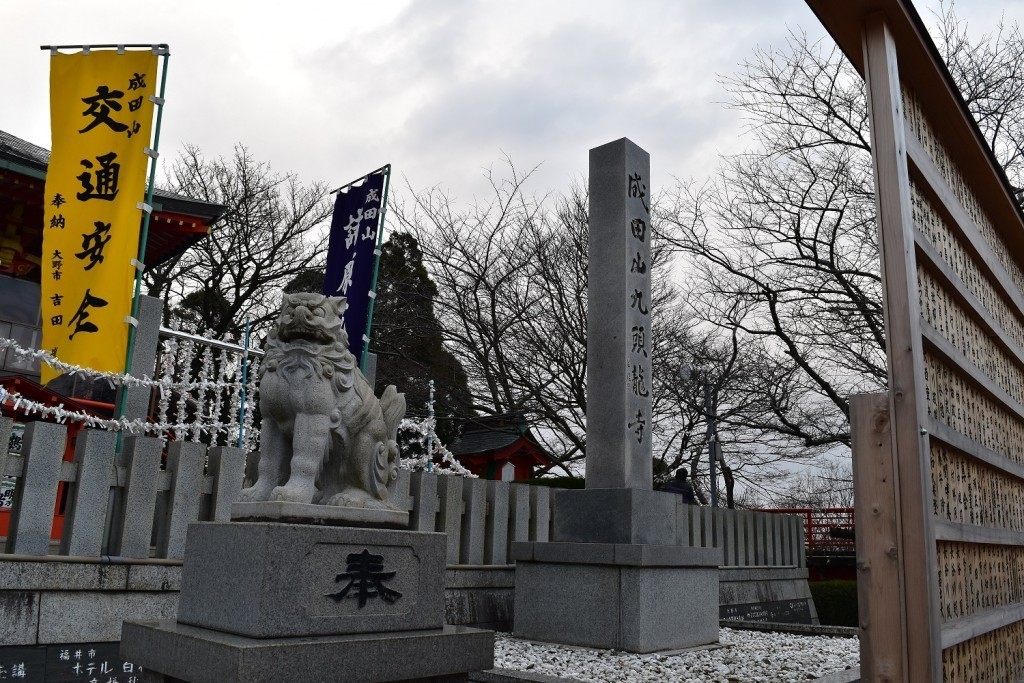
500,447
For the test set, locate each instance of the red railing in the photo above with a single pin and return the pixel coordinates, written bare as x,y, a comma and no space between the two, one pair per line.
828,530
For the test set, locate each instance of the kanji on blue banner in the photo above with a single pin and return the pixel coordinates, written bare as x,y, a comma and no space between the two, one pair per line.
350,256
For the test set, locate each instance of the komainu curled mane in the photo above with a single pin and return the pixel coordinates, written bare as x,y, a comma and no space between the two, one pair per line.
326,438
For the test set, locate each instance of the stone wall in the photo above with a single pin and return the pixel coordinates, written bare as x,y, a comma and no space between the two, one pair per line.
82,600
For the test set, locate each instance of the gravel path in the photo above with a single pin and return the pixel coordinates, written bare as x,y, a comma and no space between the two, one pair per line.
749,657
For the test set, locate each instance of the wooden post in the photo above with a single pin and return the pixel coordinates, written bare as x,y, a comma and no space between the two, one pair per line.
908,411
879,588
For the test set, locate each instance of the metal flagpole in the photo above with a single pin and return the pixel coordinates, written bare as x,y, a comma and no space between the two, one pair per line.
245,381
430,428
376,264
147,213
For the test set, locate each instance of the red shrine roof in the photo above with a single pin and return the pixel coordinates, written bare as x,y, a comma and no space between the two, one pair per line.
495,435
176,224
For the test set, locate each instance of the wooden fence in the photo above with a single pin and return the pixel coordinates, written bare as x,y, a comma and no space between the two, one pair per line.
939,462
138,504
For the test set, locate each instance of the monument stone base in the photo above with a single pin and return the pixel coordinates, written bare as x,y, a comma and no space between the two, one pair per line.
170,652
630,597
266,601
614,515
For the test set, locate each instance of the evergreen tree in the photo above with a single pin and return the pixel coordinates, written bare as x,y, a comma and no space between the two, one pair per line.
407,338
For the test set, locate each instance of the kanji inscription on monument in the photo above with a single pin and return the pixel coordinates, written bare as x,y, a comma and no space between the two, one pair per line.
619,318
365,573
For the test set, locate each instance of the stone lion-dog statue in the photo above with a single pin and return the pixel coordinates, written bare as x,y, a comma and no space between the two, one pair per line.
326,439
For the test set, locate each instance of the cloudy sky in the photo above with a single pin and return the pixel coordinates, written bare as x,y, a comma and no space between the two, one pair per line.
441,89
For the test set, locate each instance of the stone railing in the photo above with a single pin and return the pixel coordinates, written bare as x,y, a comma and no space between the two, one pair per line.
748,538
139,502
103,533
484,517
132,504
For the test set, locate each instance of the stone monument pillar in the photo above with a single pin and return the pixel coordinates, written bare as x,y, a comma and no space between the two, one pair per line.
313,579
613,575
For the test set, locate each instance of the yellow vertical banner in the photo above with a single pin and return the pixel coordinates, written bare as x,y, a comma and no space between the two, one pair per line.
101,119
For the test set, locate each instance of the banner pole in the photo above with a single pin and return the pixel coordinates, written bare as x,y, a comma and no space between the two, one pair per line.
245,381
386,168
140,258
376,266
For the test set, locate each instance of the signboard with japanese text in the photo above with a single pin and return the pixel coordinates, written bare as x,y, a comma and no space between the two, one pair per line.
351,253
796,611
101,118
68,663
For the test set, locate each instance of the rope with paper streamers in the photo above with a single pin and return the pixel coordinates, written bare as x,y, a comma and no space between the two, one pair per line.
113,378
167,387
422,428
61,415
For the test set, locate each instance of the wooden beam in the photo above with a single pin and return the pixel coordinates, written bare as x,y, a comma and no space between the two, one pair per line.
958,532
972,449
980,623
908,408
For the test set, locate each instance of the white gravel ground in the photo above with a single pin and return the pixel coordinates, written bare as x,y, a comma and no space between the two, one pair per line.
748,657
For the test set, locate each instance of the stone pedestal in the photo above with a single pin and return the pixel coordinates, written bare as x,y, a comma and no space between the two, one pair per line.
265,601
631,597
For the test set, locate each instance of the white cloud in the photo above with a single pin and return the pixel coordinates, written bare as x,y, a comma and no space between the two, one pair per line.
439,89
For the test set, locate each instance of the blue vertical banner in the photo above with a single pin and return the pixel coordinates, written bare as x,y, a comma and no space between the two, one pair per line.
352,253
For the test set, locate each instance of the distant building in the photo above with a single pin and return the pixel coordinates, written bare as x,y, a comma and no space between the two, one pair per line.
176,224
500,447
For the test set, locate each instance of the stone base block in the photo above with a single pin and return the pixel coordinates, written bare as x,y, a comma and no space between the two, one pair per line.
614,516
766,594
655,598
272,580
305,513
186,653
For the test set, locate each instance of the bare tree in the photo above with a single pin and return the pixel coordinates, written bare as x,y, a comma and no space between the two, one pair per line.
828,486
272,232
781,244
989,70
782,250
491,292
511,274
